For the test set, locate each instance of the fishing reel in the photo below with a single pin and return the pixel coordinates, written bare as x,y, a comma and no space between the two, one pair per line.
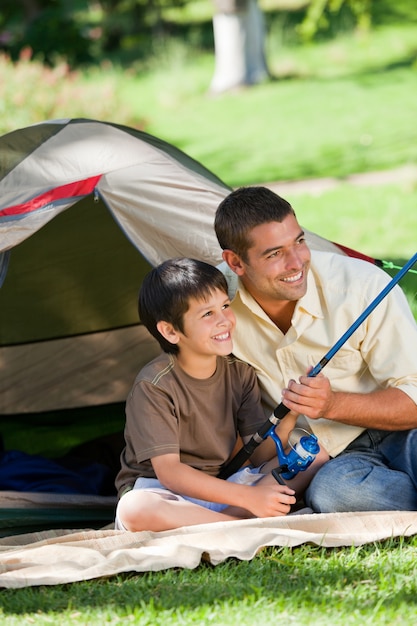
304,448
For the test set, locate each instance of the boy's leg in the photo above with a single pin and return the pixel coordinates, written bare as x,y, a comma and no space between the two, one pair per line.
144,509
148,506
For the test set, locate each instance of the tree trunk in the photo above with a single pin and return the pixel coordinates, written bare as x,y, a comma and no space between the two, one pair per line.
239,40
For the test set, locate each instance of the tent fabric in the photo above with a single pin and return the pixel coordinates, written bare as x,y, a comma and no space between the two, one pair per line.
129,167
24,512
113,355
66,556
86,208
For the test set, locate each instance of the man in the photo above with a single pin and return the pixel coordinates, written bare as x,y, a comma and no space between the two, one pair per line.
292,305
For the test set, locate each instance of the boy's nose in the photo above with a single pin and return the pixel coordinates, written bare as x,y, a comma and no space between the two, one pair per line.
224,320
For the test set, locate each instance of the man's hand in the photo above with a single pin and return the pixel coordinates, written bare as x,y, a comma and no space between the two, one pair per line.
386,409
312,397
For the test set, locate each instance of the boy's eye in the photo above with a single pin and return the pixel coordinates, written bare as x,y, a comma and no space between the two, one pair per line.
226,306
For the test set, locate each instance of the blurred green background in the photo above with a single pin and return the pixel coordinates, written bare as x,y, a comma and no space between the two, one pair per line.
341,100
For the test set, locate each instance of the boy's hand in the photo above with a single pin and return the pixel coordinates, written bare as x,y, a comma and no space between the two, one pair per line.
269,500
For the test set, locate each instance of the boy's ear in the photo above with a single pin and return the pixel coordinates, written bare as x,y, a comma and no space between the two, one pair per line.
234,261
168,331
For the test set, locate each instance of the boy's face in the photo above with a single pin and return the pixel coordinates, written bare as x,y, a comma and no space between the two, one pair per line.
208,326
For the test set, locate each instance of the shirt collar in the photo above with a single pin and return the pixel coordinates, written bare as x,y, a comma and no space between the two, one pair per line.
310,303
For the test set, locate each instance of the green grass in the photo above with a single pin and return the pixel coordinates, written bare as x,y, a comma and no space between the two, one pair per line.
380,221
342,132
337,107
372,584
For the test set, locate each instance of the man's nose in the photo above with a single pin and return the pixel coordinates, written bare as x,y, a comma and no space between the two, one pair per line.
293,258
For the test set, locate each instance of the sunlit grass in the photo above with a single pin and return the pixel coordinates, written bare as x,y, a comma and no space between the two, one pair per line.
380,221
344,106
372,584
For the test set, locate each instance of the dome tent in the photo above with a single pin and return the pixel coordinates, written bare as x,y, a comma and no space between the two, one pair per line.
86,208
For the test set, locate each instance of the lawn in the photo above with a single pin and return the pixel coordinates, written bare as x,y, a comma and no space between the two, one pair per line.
337,107
330,117
372,584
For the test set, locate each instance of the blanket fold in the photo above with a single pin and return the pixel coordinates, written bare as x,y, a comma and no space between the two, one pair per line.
62,556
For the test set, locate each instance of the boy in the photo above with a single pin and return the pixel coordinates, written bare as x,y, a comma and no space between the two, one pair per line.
187,410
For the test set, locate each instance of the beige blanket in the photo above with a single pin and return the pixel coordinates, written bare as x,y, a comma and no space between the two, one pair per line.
63,556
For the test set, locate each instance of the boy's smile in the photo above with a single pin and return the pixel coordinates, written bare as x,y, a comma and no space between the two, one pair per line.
208,328
222,337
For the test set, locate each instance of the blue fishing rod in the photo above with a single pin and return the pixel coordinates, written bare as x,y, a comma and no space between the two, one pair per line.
291,464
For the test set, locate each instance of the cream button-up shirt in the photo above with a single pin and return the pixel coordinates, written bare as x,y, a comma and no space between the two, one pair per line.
381,353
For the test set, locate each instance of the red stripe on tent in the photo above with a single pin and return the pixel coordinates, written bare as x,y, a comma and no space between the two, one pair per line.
356,255
71,190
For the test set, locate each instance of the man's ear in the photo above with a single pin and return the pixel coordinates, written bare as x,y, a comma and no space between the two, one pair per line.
234,261
168,331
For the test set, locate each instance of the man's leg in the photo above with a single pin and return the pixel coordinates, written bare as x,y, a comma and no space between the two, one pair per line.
377,472
399,451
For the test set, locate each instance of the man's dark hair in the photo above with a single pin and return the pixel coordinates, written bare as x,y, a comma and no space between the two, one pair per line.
166,291
241,211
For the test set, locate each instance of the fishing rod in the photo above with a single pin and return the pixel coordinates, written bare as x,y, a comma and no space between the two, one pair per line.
281,410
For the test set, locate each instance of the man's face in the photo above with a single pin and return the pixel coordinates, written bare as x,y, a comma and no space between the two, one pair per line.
278,262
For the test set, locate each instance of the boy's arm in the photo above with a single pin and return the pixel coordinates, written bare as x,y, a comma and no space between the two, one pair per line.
261,501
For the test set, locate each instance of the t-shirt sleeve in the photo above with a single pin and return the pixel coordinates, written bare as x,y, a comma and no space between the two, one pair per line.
151,421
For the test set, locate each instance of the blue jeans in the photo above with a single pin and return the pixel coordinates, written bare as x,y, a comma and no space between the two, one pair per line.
376,472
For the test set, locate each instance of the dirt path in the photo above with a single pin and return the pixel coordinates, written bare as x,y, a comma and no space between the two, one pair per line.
406,174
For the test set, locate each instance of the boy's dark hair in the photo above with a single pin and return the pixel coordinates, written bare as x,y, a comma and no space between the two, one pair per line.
241,211
166,291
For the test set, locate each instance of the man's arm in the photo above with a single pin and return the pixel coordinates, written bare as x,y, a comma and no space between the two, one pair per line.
386,409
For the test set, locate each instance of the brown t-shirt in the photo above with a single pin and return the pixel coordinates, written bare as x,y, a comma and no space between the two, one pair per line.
168,411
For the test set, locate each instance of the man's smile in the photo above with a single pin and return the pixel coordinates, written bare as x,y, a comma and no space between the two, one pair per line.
294,278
